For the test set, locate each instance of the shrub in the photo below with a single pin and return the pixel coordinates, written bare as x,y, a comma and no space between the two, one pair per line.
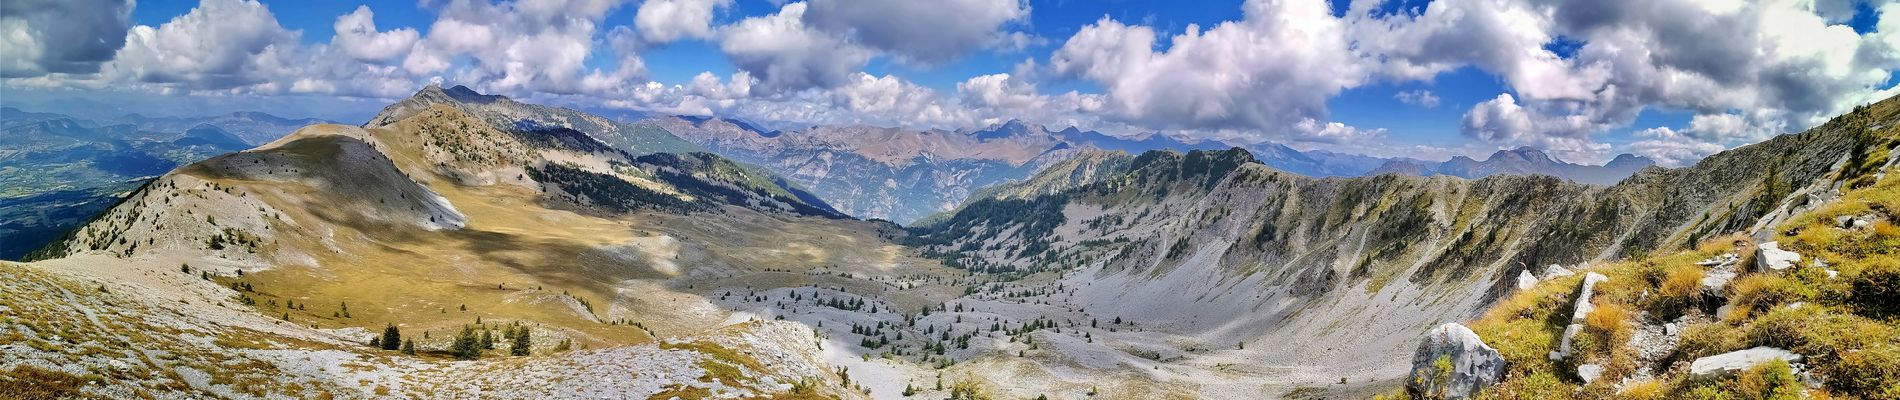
1681,289
1773,380
1756,292
1872,373
1610,322
1644,390
1707,339
1876,289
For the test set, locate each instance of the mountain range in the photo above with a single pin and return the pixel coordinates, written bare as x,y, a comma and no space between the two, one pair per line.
57,172
468,245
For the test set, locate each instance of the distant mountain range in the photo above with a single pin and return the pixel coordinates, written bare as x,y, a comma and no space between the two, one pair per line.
254,128
904,175
56,172
1520,161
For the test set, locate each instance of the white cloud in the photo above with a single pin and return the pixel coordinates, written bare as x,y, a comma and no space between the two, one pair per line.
356,34
929,32
526,47
663,21
60,36
786,55
1274,68
1670,148
1421,98
221,44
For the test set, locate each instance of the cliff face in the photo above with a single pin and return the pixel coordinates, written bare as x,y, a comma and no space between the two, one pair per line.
1223,249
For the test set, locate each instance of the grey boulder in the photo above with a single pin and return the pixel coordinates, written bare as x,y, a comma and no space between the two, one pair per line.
1453,363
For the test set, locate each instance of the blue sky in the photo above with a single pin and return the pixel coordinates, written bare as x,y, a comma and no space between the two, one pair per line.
1674,80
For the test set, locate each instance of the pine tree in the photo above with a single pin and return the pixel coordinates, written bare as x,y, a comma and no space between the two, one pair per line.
409,347
392,338
467,346
521,344
488,339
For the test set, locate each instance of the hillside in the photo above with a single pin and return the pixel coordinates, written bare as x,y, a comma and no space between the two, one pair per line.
435,221
1266,256
1797,307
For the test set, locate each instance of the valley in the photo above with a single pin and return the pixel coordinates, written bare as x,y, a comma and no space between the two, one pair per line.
662,272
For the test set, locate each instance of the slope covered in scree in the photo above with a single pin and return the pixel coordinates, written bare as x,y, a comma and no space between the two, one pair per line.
1224,251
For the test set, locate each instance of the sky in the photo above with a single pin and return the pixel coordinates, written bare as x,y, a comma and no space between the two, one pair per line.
1584,80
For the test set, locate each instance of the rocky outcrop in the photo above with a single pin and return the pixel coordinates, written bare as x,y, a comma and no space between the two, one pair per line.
1721,270
1580,310
1769,257
1729,363
1525,280
1453,363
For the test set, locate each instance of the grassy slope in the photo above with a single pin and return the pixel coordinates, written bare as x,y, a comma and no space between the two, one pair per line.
1847,326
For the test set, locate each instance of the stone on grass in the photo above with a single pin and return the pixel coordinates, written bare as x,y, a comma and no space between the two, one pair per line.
1729,363
1589,372
1769,257
1580,309
1453,363
1525,281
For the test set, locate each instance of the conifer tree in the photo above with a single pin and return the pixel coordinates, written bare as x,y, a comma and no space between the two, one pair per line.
467,346
520,347
392,337
409,347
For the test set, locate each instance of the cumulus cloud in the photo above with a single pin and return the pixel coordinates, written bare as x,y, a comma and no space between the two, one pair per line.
357,36
221,44
60,36
531,46
1421,98
1274,68
663,21
1503,121
1791,64
787,55
923,31
1670,148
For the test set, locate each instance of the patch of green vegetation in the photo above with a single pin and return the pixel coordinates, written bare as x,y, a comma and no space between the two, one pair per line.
1842,314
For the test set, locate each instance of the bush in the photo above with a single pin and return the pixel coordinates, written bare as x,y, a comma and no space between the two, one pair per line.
1758,292
1773,380
1680,290
1611,323
1876,289
1872,373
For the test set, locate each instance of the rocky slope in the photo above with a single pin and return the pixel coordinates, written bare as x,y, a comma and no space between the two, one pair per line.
292,254
1264,256
1797,307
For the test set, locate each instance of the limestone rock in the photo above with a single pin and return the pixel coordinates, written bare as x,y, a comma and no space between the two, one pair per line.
1525,280
1769,257
1556,271
1453,363
1589,372
1580,308
1735,361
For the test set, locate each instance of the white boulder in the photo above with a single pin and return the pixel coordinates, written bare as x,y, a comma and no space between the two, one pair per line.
1525,280
1471,366
1729,363
1589,372
1556,271
1769,257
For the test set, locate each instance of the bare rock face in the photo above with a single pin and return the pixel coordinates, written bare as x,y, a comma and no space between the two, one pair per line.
1735,361
1769,257
1453,363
